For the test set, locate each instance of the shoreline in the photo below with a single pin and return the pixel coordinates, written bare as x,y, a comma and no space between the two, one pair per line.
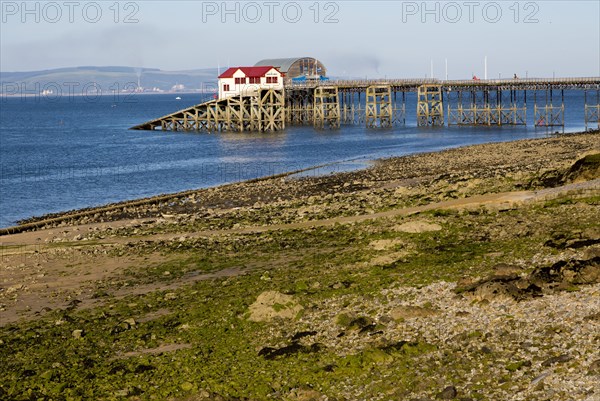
35,222
31,222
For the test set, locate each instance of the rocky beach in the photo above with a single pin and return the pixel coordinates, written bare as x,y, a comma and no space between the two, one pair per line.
467,274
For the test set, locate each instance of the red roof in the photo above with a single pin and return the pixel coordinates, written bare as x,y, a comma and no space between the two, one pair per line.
249,71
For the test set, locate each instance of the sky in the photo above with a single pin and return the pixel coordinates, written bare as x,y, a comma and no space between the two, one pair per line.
372,39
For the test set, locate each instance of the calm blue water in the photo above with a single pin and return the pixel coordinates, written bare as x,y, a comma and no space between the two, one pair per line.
58,155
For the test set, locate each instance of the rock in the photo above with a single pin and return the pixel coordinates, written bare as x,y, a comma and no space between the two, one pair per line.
361,323
486,350
270,353
539,378
302,334
14,288
273,304
448,393
187,386
385,319
388,259
77,334
594,368
415,227
586,168
202,394
575,271
305,395
410,312
123,326
506,270
383,244
556,359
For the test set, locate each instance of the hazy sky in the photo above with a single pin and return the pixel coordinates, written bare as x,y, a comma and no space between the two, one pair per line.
352,38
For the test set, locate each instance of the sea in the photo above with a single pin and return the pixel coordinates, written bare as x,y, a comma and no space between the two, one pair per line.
70,152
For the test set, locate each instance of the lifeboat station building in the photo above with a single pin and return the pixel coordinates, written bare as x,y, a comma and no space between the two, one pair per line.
247,81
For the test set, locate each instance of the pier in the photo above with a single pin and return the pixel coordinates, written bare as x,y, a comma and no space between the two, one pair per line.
381,103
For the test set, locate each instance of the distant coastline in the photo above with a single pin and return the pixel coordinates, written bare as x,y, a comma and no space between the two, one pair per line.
33,95
90,80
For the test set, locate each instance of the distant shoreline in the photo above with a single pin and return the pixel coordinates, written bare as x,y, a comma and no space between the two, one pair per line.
32,95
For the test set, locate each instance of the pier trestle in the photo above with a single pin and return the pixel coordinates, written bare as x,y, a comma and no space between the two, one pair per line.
299,109
379,106
549,115
262,111
486,107
592,111
326,110
430,106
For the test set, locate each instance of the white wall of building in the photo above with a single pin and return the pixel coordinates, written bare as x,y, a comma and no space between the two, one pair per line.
247,88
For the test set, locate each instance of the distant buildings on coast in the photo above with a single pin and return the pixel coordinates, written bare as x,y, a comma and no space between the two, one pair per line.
96,81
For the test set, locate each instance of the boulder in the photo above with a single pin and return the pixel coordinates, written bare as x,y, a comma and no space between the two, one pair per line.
273,304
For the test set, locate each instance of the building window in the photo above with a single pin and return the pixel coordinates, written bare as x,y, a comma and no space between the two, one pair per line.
255,80
226,88
271,80
240,81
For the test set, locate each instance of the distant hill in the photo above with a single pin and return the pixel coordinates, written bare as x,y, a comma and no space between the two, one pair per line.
107,79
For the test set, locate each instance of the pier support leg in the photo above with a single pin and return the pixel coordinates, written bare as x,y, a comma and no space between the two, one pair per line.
487,107
299,106
399,109
326,110
272,110
592,112
430,108
379,106
515,114
549,115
